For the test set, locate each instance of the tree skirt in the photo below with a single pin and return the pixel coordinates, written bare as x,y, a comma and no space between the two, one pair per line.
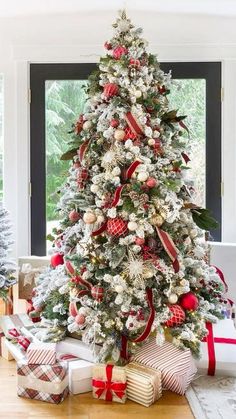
213,397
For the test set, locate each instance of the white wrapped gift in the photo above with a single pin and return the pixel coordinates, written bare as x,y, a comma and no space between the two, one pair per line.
14,350
78,348
218,351
80,376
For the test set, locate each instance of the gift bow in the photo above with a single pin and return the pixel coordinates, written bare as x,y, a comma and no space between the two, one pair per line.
29,273
21,340
109,386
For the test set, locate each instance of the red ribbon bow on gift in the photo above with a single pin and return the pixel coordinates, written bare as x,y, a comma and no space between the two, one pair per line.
22,340
110,387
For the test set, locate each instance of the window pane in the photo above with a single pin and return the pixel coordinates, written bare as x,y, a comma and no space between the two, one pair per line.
1,136
189,97
65,101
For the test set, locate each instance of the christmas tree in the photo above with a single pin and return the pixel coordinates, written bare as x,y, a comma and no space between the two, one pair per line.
7,267
131,256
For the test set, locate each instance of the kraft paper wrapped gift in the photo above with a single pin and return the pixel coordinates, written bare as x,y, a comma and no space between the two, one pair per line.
80,376
109,383
14,321
177,366
48,383
42,353
78,348
143,384
218,351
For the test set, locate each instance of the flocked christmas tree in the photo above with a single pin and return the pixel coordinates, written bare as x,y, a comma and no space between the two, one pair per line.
131,257
7,267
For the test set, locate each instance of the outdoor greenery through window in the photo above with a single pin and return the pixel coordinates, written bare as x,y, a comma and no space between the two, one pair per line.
65,101
1,136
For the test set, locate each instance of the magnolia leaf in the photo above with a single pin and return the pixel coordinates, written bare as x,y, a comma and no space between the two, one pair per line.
68,155
203,218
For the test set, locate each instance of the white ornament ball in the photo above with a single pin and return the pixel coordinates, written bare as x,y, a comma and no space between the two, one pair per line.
119,134
173,298
137,94
184,282
119,289
193,233
143,176
132,226
94,188
87,125
151,141
148,274
100,219
133,176
89,217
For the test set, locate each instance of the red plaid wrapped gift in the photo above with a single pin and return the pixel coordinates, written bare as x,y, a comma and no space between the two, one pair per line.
42,353
109,383
177,366
48,383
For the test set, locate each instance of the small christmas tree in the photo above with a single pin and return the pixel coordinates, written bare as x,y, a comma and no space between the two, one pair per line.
7,267
131,252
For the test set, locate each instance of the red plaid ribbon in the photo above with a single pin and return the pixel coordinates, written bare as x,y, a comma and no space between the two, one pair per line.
133,123
169,247
211,340
108,386
22,340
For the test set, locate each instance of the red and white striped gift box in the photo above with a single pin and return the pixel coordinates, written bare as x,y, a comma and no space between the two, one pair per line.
42,353
177,367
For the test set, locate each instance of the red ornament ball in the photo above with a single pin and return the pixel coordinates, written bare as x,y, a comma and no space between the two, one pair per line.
110,89
134,63
189,301
178,316
139,241
80,319
107,45
117,226
119,51
129,134
74,216
151,182
57,259
114,123
97,293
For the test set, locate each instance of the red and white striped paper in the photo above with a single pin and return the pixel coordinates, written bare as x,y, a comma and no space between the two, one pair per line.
42,353
177,367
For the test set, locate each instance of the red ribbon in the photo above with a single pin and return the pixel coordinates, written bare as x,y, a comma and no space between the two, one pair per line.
185,157
108,386
100,230
22,340
144,335
211,340
169,247
132,168
82,150
221,276
117,195
133,123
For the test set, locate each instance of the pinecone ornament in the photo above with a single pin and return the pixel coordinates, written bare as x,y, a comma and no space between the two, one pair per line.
82,177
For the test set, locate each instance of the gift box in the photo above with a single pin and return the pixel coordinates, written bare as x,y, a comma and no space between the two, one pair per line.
14,321
78,348
48,383
41,353
218,350
4,352
177,366
143,384
80,376
14,350
109,383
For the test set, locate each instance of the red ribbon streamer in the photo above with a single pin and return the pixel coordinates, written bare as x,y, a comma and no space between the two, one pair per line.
144,335
108,386
133,123
169,247
100,230
22,340
132,168
211,340
82,150
117,195
185,157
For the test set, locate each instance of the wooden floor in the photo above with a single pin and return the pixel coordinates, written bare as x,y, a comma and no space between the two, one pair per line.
170,406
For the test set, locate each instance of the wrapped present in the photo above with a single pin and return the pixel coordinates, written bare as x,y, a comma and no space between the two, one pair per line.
177,366
80,376
78,348
41,353
48,383
18,343
109,383
4,352
14,321
218,349
143,384
14,350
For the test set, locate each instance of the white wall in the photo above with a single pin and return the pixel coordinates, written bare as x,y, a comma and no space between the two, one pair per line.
80,38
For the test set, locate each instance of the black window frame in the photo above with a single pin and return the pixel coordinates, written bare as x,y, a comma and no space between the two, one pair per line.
39,73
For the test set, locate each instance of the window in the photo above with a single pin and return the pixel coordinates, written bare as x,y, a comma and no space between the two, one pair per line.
58,98
1,137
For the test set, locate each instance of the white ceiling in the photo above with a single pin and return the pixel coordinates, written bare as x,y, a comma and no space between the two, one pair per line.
14,8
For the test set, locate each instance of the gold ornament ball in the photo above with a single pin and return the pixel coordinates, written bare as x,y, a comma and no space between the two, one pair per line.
132,226
94,188
157,220
143,176
173,298
119,134
137,94
89,217
151,141
148,274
